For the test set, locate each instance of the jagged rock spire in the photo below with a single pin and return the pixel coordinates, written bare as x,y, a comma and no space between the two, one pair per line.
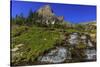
45,11
48,16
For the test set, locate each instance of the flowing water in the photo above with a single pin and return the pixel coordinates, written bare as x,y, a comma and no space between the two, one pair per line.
91,54
60,54
73,38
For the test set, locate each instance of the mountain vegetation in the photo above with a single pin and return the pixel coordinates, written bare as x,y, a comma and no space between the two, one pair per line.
42,30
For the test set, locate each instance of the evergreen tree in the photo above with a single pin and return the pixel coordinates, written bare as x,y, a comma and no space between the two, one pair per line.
29,18
19,19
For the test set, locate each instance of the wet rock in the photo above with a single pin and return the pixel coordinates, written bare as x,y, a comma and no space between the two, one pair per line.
84,37
90,44
90,54
60,54
73,47
74,39
77,39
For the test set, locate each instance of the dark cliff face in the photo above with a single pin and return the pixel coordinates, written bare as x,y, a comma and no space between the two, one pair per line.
48,16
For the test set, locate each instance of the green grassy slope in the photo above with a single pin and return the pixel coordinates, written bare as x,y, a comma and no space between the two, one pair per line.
36,39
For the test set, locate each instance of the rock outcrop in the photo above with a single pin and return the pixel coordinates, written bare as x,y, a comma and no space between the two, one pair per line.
48,16
57,55
45,11
79,47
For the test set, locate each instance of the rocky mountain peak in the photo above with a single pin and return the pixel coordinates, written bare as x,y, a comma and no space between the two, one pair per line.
45,11
47,15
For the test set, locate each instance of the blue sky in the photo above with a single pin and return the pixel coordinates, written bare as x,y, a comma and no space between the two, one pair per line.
71,12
